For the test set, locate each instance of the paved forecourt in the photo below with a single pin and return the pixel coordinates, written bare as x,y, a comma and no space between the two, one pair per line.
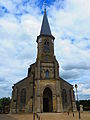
46,116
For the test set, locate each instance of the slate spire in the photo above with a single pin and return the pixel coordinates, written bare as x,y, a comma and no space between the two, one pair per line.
45,28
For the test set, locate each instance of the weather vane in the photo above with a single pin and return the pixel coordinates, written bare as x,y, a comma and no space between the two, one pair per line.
44,5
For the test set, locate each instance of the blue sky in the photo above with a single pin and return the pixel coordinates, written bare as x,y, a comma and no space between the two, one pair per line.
20,23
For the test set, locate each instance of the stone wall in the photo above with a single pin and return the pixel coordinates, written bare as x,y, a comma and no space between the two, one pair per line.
27,84
69,89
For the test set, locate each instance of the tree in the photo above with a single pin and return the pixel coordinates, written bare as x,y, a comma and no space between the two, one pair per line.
85,103
3,103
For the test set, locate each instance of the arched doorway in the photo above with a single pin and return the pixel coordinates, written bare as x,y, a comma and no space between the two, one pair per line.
47,100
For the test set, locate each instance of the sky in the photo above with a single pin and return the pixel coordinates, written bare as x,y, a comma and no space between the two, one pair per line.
20,24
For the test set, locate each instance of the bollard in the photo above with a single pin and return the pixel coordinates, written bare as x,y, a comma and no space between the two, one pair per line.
39,118
79,114
33,116
68,113
73,114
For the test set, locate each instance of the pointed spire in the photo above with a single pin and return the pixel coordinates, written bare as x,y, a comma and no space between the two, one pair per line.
45,28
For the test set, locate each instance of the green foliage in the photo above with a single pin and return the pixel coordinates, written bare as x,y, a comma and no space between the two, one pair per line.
85,103
3,103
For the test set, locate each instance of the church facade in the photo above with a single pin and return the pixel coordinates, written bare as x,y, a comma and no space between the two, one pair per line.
43,90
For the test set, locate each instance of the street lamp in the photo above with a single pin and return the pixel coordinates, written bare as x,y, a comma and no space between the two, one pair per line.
77,100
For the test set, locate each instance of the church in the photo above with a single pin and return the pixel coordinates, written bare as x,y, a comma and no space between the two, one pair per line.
43,90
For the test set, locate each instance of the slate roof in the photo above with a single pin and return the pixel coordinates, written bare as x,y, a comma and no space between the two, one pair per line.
45,28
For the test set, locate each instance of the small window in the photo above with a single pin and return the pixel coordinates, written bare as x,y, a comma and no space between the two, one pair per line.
47,74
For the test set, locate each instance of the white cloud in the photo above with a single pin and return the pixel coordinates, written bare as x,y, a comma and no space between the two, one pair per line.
70,24
72,45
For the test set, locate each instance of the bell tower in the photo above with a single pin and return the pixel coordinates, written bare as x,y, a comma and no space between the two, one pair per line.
45,51
45,42
47,72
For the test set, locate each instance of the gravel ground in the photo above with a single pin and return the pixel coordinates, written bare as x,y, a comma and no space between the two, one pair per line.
46,116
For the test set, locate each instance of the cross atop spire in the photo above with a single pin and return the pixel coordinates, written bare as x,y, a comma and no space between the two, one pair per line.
45,6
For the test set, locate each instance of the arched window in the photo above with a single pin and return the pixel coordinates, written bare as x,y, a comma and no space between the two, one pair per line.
70,93
46,46
47,74
23,96
64,96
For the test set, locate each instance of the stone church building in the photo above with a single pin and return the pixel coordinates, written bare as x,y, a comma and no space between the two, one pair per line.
43,90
